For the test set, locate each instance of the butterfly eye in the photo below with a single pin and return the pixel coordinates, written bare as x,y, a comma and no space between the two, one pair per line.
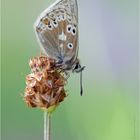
70,45
50,27
74,31
69,27
54,22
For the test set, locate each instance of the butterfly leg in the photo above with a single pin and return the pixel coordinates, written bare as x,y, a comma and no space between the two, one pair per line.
78,68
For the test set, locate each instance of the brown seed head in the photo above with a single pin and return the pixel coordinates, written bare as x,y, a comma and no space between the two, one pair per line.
45,85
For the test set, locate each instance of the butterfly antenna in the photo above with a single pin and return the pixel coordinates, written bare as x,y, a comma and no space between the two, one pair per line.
81,84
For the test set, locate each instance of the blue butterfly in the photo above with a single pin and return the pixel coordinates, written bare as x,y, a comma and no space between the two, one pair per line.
57,33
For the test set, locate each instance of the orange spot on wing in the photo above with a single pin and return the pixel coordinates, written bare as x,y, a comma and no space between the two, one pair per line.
46,21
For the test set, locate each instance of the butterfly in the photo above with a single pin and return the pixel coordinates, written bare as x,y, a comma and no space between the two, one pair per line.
57,32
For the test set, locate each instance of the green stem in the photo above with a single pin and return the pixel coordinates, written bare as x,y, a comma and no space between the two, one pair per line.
47,125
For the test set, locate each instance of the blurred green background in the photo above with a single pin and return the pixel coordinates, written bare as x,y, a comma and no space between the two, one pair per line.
108,109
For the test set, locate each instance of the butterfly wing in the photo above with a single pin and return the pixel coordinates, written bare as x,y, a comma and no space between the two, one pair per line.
57,31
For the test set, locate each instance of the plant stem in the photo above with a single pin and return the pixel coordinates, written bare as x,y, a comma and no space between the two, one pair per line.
47,125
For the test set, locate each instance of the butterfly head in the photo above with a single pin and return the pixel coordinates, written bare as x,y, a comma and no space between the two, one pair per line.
77,67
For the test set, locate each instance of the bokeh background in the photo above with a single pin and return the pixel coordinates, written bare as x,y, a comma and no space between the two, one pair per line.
108,109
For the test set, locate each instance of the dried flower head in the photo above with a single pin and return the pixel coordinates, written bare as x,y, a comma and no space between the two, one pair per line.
45,85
